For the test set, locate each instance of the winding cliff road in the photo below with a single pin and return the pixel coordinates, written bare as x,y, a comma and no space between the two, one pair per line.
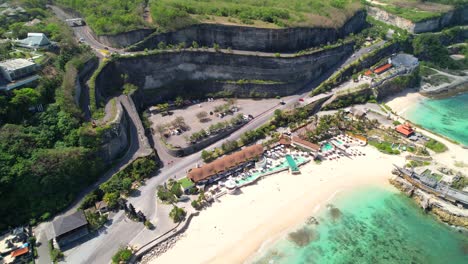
122,231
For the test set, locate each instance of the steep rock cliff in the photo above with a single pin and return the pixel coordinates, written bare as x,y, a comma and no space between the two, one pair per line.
167,74
255,39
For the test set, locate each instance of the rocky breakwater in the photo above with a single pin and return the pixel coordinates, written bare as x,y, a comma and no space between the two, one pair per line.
167,74
458,16
255,39
443,210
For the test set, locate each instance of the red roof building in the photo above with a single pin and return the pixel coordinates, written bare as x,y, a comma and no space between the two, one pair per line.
368,73
19,252
225,163
405,129
382,68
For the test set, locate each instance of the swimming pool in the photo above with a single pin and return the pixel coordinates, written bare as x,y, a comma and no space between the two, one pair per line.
292,164
327,147
280,167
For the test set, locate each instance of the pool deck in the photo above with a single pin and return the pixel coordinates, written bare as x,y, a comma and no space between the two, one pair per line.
279,168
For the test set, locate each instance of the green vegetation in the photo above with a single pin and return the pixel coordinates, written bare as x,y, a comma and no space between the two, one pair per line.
186,183
122,182
438,79
414,163
435,146
170,192
426,71
117,16
384,147
55,254
122,256
412,10
362,95
199,202
430,48
111,16
178,13
177,214
95,220
460,182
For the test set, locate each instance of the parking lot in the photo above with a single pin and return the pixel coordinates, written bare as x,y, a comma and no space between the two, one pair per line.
179,125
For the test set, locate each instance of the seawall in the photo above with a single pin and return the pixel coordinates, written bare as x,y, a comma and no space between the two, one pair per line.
458,16
254,39
195,73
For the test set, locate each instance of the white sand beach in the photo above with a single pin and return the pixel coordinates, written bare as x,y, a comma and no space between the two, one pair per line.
232,230
456,153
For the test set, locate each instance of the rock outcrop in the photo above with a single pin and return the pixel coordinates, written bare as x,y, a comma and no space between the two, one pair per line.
432,204
458,16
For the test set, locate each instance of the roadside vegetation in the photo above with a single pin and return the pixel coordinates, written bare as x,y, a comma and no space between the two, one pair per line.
44,154
122,256
110,16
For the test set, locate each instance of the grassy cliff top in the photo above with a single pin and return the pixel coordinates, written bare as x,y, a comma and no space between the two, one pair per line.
117,16
416,10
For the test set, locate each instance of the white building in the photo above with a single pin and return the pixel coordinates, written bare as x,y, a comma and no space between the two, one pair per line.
34,41
17,68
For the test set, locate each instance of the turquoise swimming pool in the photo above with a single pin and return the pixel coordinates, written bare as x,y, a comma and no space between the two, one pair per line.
327,147
292,164
284,165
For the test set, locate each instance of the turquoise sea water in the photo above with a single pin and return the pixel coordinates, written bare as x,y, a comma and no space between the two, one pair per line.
371,225
448,116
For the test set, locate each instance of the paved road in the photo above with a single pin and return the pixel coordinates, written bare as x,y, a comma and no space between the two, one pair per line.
123,231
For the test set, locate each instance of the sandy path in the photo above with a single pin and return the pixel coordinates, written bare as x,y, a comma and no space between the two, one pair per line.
235,228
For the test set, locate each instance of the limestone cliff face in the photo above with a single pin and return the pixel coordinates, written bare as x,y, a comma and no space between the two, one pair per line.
255,39
115,137
458,16
124,39
167,74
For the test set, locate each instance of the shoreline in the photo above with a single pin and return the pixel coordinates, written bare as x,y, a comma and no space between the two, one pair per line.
400,105
245,219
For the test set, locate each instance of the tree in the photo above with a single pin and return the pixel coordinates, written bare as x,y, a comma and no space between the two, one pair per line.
127,185
179,101
23,99
176,189
164,107
195,45
123,255
111,199
202,116
177,214
179,122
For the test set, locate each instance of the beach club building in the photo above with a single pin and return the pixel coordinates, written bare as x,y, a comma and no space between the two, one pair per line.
301,143
226,165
